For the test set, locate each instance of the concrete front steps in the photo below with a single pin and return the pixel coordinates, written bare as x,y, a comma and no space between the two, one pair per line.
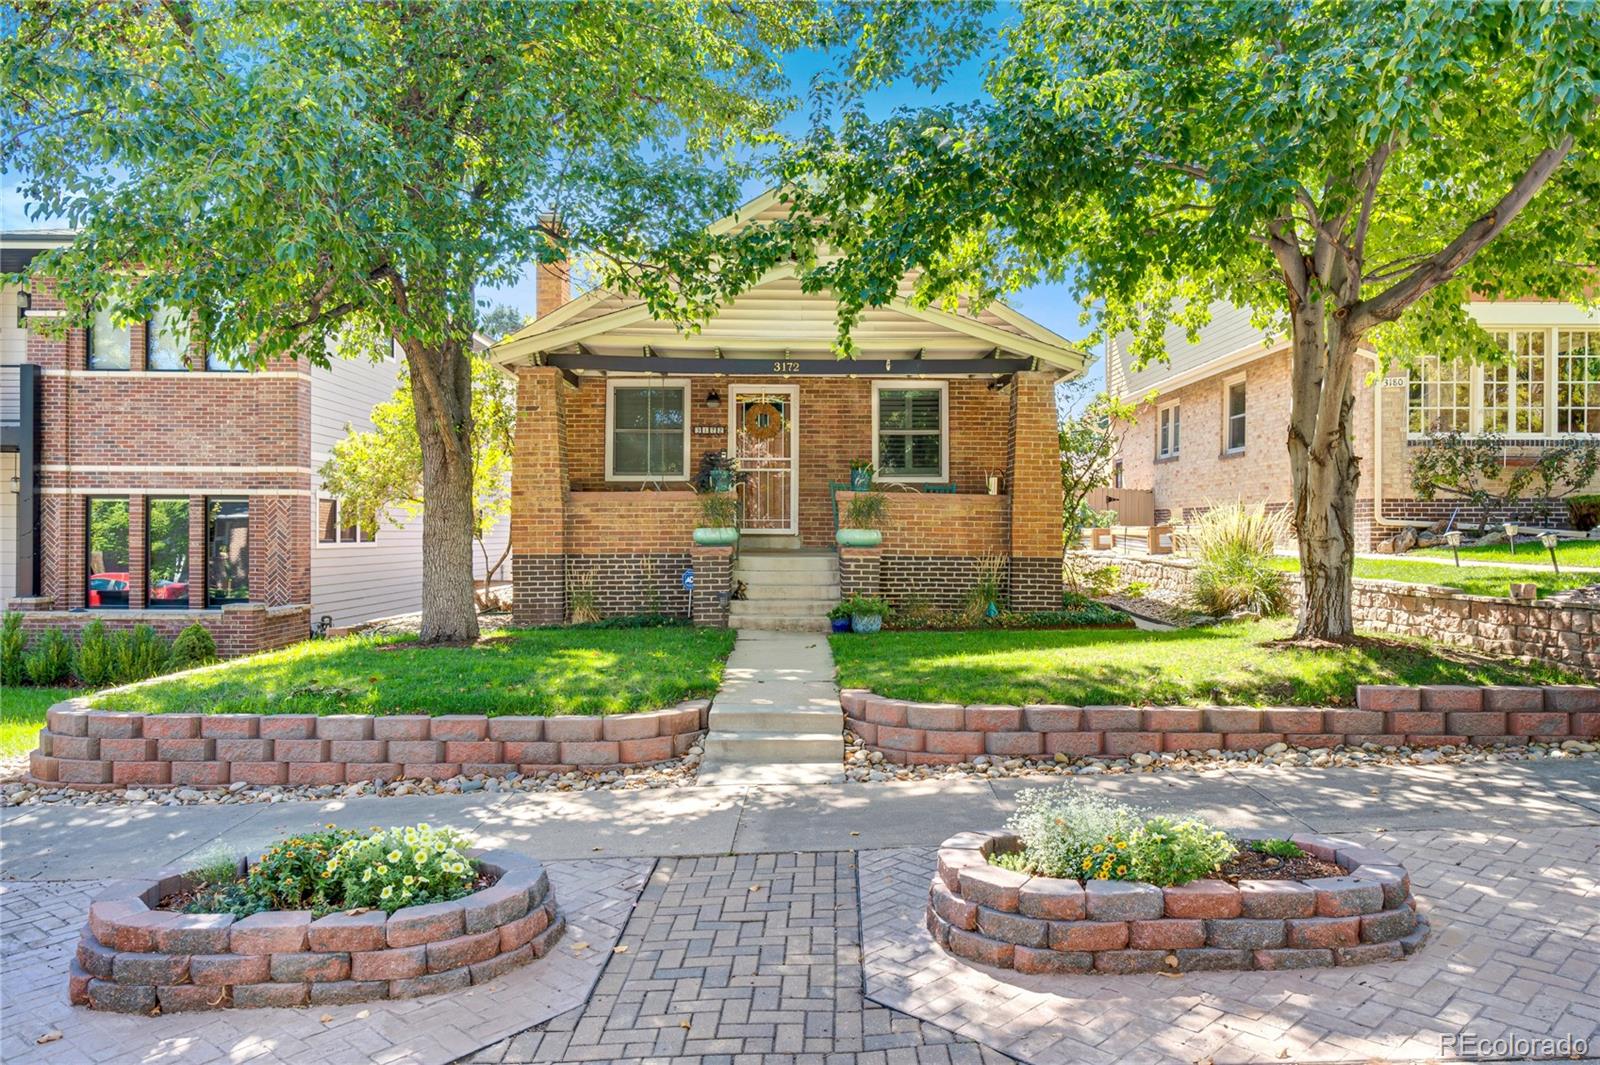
786,588
776,719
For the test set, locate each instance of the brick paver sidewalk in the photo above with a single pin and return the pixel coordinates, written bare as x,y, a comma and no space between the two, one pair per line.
1515,951
40,933
752,960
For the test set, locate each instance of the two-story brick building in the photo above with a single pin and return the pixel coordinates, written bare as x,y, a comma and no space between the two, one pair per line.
1215,430
150,481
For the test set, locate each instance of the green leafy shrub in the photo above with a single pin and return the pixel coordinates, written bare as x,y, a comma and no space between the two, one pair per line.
13,644
1086,576
289,876
49,662
95,666
640,621
1277,848
1166,852
137,654
402,867
862,606
192,647
1584,512
1234,547
1072,833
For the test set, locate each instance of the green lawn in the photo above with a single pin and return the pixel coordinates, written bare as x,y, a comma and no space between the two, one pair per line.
22,716
516,671
1474,580
1568,553
1222,664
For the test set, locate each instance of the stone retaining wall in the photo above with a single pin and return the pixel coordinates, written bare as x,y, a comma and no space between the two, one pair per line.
102,748
1431,716
133,958
1561,633
1036,924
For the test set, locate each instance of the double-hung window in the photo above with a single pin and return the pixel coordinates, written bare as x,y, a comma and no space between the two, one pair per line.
167,342
911,424
1169,425
1233,418
647,430
110,343
334,526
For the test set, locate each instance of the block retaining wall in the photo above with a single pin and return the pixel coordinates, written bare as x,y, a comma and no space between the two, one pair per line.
1039,925
1562,634
133,958
1431,716
97,749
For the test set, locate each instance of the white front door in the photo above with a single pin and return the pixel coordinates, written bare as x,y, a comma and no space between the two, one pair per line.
766,447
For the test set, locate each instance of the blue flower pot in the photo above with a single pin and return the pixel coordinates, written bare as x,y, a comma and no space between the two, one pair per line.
860,480
866,623
721,480
841,624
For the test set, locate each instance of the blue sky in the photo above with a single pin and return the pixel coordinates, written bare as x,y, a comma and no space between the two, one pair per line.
1051,305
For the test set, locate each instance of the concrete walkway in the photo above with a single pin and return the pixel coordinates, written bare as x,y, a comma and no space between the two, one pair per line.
776,718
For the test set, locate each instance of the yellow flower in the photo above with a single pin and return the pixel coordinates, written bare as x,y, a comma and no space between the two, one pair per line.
408,881
386,892
1122,845
382,869
1087,863
420,857
423,825
366,874
393,856
1122,870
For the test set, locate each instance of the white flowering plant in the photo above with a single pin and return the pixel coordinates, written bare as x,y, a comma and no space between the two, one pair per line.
402,867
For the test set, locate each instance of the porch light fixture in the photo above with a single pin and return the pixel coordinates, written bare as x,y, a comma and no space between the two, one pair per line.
1511,535
713,399
24,304
1549,540
1453,538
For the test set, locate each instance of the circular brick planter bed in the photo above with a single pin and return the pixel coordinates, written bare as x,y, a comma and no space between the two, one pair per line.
1036,924
133,958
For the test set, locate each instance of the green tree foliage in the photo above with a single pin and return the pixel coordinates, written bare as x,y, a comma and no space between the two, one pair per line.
500,321
313,179
377,474
1344,169
1089,441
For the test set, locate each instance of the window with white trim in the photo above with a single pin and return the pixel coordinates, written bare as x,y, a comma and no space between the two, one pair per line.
647,430
1549,385
910,425
1577,376
334,528
1169,424
1233,417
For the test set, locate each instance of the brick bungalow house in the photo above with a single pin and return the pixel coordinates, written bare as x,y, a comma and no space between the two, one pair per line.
143,481
616,412
1215,430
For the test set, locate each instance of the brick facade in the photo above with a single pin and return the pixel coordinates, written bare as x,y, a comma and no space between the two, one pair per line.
141,434
629,543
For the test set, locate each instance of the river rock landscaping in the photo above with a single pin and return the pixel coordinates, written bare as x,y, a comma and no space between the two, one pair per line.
324,918
1077,884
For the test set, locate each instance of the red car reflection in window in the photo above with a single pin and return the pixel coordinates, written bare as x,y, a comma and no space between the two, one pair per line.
111,589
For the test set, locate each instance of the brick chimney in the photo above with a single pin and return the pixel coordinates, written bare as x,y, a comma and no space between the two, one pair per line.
553,282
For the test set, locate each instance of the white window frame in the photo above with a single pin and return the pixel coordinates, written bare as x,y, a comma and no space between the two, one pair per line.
362,538
1175,408
1228,385
680,383
1477,380
913,385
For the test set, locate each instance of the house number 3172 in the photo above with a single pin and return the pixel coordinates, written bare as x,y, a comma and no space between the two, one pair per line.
784,366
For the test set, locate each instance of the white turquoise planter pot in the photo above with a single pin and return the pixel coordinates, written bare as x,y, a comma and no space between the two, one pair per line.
866,623
858,537
716,537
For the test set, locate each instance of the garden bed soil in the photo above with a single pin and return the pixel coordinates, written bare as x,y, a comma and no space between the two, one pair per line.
1253,865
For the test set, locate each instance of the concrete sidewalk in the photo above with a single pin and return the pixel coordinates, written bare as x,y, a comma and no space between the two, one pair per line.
44,843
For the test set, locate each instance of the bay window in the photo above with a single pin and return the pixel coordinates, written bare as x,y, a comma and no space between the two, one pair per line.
1549,384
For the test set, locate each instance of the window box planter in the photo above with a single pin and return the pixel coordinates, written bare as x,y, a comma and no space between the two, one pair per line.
1045,925
716,537
858,537
133,958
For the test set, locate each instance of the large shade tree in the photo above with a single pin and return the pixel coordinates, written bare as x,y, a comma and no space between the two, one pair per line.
319,178
1344,168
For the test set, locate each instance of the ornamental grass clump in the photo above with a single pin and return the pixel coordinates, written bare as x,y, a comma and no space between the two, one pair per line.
403,867
1081,836
1234,548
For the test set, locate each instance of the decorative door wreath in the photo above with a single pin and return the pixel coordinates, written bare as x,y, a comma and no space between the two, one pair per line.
763,421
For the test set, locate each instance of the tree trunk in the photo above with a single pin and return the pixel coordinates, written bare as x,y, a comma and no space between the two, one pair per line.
441,388
1325,472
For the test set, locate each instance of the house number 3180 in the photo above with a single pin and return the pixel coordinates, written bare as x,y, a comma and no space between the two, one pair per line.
782,366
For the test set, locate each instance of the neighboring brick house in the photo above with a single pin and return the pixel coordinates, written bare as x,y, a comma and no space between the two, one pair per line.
1215,431
617,411
150,483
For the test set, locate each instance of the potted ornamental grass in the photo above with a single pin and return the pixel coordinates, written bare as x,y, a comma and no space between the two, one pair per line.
866,614
862,516
719,519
